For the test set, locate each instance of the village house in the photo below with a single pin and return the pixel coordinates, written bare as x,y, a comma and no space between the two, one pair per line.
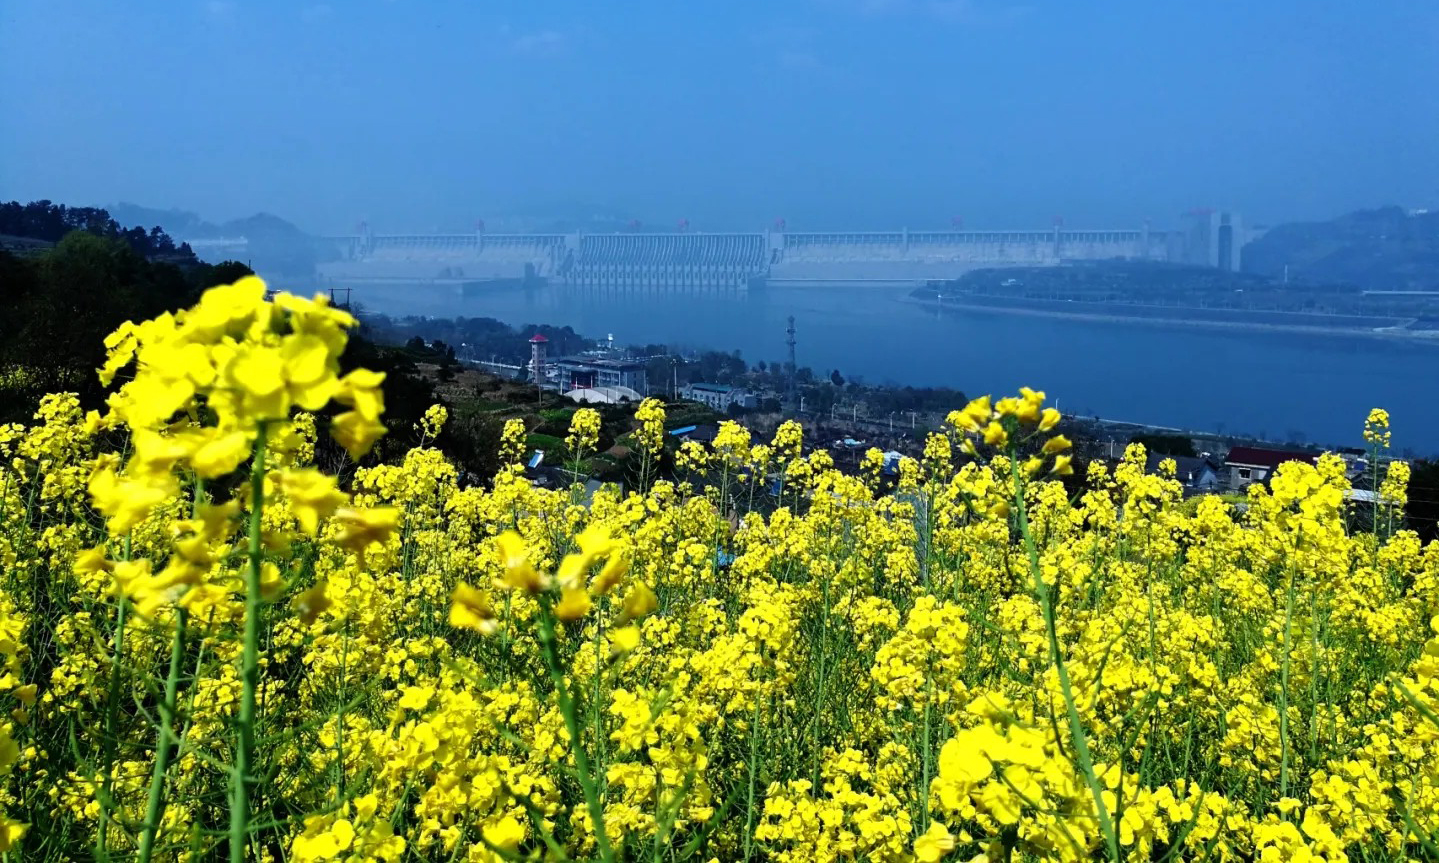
1194,473
704,434
718,396
1249,464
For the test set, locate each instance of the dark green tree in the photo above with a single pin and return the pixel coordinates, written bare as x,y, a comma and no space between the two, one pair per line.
1422,511
1166,444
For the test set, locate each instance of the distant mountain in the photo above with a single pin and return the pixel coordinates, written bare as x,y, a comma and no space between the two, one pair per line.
183,223
1387,248
177,223
274,246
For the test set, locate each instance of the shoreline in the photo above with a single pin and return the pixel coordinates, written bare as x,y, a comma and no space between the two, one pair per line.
1327,347
1252,326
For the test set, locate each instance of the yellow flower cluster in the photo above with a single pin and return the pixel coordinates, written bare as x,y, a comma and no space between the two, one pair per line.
651,432
433,422
12,652
584,431
763,659
1376,428
247,361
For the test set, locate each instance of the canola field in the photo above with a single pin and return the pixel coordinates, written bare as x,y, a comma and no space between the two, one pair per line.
211,649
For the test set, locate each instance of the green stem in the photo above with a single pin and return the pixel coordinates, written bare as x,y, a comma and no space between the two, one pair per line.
922,822
572,724
819,687
241,779
928,534
112,707
1076,728
1374,486
1313,680
155,804
505,640
167,740
1284,689
596,712
753,770
340,717
719,528
575,474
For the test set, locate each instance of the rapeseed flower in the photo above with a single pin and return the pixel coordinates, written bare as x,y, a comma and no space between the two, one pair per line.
771,659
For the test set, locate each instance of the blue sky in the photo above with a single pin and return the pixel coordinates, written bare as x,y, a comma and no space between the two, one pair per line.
866,114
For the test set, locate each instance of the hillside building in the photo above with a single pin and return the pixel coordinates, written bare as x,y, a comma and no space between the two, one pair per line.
575,373
718,396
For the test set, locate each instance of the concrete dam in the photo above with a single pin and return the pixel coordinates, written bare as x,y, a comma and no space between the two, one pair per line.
721,260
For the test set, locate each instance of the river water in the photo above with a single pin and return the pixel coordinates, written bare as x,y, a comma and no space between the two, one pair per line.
1282,385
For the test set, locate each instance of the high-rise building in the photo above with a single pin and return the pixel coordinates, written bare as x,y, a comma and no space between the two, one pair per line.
1212,238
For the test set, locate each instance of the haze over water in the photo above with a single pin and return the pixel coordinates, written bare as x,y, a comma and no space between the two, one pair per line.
821,115
1273,384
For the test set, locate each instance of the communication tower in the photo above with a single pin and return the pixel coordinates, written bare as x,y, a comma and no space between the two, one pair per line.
537,364
792,396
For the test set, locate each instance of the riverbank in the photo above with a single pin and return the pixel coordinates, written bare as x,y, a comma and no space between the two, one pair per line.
1315,383
1111,315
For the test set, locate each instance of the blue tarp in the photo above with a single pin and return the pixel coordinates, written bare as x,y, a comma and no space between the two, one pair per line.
680,432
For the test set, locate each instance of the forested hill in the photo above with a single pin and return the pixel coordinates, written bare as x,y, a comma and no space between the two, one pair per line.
1388,248
49,223
61,302
78,275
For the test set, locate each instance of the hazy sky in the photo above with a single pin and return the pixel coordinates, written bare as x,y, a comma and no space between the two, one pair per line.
868,114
